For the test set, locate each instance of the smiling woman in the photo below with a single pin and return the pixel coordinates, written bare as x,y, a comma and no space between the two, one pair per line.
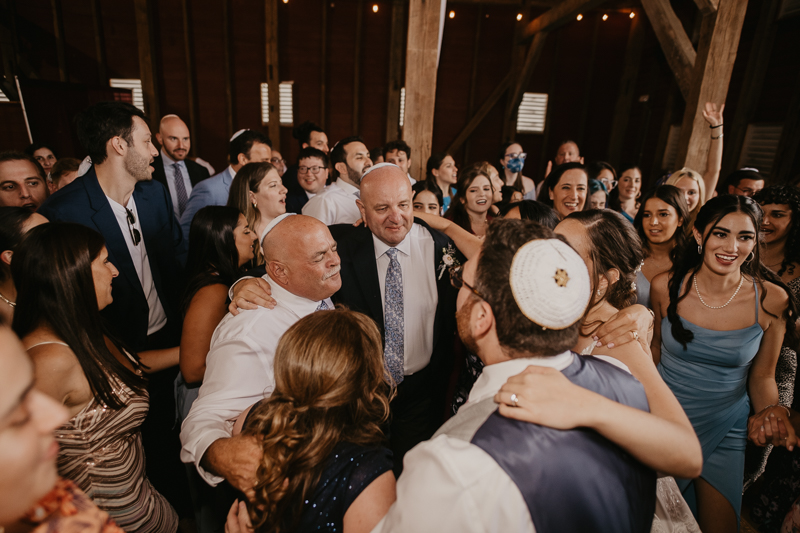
565,189
470,206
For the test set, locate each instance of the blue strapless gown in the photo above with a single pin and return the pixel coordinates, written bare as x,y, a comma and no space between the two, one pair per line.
709,379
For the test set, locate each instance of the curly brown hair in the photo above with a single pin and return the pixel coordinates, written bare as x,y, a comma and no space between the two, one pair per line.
330,386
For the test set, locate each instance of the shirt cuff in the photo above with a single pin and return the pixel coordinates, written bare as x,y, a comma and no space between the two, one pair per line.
200,448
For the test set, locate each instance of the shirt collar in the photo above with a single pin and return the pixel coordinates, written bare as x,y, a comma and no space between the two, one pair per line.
168,160
297,304
346,187
231,171
495,376
381,247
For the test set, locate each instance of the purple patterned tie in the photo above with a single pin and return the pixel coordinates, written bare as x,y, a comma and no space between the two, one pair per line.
393,319
180,189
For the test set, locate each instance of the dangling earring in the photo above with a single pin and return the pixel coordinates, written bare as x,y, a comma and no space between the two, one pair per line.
750,257
254,205
699,250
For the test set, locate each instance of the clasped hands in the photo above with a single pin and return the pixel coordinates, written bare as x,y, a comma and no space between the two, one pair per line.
772,426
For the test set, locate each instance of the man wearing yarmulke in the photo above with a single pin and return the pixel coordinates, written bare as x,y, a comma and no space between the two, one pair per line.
520,304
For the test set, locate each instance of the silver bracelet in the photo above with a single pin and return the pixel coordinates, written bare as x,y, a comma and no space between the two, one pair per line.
788,412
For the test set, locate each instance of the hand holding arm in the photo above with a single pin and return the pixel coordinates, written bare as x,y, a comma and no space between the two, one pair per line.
251,293
632,323
156,360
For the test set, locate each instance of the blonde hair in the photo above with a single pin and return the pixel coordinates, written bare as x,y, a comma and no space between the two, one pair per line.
247,180
701,185
330,386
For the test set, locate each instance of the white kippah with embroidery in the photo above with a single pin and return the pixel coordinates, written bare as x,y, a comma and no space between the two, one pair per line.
550,283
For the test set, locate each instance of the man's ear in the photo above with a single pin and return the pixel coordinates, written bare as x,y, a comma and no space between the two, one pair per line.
5,257
242,159
341,168
158,138
278,272
118,145
363,211
481,319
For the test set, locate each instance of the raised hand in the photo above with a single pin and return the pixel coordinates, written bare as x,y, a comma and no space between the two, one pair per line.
712,114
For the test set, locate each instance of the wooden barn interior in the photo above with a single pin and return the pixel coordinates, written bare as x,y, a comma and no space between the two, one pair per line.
625,79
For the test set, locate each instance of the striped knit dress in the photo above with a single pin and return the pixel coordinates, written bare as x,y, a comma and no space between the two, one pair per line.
101,452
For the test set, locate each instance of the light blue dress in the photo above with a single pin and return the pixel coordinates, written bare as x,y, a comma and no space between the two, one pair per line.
642,290
709,379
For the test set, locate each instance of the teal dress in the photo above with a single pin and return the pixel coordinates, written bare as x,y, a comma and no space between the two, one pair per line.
709,379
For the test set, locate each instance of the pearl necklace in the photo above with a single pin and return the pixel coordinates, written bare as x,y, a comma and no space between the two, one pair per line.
9,302
741,280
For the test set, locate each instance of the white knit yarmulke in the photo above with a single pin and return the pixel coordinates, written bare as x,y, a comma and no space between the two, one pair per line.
272,225
550,283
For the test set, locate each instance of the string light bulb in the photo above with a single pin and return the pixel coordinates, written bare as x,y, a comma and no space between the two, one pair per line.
580,17
452,14
375,8
285,1
605,17
632,14
519,16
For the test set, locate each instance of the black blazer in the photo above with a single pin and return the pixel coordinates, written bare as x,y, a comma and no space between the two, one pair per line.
361,288
197,173
84,202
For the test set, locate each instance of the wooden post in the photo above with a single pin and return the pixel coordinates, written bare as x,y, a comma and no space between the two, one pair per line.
58,32
357,67
191,91
750,94
719,41
226,67
273,80
789,145
626,95
676,45
323,75
145,33
99,43
422,60
395,70
707,6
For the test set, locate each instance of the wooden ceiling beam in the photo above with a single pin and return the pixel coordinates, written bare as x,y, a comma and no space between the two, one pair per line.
707,7
558,15
677,47
480,114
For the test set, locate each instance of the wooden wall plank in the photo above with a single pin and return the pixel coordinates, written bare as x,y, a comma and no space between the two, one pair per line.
719,42
148,65
422,58
481,113
273,78
227,72
626,94
99,43
58,31
323,75
191,90
676,45
395,70
789,145
522,79
473,81
357,69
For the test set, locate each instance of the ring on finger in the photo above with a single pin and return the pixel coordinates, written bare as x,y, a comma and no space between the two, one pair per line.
635,335
514,399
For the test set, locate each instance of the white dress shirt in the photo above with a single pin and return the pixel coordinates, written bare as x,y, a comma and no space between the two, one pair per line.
157,317
239,371
420,296
335,205
449,484
169,171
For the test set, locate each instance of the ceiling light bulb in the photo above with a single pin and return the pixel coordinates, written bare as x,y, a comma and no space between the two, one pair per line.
375,8
519,16
632,14
580,17
452,14
605,17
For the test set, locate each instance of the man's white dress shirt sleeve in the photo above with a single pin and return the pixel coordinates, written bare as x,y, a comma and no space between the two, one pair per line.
236,378
450,485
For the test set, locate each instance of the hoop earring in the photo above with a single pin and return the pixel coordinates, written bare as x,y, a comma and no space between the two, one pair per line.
750,257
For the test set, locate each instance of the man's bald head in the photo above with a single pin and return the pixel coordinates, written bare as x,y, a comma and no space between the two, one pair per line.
301,257
385,204
173,136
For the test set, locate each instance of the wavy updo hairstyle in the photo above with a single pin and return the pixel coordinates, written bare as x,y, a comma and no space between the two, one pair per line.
330,386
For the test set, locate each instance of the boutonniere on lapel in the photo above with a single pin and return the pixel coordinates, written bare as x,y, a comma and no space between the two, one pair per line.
449,259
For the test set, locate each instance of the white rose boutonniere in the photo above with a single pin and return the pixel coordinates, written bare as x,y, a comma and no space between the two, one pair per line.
449,260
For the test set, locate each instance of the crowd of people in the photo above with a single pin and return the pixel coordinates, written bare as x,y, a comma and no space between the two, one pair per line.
335,344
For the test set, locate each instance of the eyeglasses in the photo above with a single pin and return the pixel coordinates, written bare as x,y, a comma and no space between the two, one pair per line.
135,235
610,184
277,160
521,155
313,170
457,281
747,191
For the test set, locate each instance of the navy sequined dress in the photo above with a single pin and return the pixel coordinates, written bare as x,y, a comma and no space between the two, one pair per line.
349,470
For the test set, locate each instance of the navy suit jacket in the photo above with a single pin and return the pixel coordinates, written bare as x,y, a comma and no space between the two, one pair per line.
84,202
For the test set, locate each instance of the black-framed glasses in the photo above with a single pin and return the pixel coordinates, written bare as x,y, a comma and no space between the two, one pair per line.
457,281
135,235
521,155
313,170
277,160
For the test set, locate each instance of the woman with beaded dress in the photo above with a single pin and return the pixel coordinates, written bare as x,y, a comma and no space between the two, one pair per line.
63,278
721,317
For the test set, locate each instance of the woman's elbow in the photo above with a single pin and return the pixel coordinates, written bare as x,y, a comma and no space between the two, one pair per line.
192,372
693,460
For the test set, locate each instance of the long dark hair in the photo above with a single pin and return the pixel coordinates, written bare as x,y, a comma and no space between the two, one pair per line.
519,183
614,245
673,196
52,270
434,162
11,222
533,210
786,195
613,196
690,259
213,257
555,176
458,207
